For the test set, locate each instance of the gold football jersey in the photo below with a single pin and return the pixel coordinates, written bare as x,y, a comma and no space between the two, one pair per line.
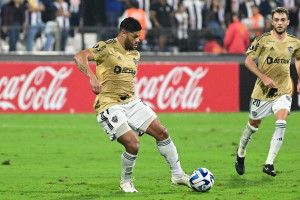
115,70
274,59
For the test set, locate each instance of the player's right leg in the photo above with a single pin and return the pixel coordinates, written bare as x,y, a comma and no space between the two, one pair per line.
258,110
131,143
281,108
114,123
167,149
251,127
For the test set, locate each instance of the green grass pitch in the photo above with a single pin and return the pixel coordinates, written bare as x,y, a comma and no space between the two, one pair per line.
69,157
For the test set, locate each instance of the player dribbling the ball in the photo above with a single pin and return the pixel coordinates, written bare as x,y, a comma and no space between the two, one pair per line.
121,115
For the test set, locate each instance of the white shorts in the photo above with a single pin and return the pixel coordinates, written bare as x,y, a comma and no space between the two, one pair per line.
259,109
131,115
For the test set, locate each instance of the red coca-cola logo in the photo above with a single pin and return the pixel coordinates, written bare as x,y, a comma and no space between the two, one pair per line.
166,87
171,90
41,88
189,87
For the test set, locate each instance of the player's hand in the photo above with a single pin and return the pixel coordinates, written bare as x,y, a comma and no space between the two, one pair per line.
268,82
95,85
298,87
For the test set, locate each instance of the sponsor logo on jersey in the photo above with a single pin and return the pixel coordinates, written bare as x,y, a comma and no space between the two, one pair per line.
254,113
118,70
290,49
271,60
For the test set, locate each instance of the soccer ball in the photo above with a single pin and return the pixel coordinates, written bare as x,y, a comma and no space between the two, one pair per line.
202,180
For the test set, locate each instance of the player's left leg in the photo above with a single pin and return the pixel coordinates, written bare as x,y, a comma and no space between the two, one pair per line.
276,141
142,118
167,149
248,131
281,108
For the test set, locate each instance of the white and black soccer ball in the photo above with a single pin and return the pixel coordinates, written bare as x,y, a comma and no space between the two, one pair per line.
202,180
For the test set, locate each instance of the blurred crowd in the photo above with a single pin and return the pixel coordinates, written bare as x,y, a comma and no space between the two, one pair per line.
212,26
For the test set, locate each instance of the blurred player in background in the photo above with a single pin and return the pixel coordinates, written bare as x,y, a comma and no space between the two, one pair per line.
123,116
273,88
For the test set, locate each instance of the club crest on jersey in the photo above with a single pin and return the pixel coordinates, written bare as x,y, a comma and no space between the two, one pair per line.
290,49
114,119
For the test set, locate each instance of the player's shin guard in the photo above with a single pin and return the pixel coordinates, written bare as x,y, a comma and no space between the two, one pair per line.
276,141
128,162
245,139
169,151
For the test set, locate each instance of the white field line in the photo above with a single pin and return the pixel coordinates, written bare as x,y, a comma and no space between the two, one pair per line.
15,126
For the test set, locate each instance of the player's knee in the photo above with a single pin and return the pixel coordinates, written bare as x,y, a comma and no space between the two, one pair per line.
163,134
255,123
133,146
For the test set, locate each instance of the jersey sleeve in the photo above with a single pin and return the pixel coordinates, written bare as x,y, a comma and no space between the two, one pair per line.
297,50
254,49
99,51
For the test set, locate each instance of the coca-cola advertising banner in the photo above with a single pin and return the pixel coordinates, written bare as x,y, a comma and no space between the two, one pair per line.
189,87
166,87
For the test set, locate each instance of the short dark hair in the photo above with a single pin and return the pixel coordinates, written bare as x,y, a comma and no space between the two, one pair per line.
280,10
130,24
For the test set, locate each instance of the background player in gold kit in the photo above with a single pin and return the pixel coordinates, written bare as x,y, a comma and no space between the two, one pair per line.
122,115
273,88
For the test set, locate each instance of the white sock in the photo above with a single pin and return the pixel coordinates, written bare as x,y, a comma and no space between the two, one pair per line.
169,151
276,141
128,162
245,139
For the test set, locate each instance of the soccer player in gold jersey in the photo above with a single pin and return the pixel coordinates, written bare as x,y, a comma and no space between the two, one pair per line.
273,88
121,115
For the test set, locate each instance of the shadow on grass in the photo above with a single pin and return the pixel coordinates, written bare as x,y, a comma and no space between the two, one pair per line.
238,181
115,195
82,197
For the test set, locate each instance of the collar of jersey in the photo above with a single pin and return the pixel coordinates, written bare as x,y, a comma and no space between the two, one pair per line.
277,38
123,51
121,47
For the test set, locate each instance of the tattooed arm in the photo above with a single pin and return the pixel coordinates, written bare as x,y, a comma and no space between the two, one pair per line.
81,60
